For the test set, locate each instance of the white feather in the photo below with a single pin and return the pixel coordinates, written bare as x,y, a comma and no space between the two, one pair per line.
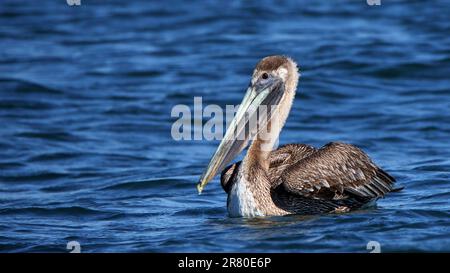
241,202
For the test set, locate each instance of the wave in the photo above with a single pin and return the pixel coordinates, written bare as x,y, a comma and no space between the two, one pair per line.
21,86
154,183
56,211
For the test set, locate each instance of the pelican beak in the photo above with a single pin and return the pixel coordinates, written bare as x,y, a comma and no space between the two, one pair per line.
248,120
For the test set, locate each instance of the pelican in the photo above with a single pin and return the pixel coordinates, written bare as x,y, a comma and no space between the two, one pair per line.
295,178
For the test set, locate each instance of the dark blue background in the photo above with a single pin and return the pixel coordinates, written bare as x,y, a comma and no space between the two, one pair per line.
86,94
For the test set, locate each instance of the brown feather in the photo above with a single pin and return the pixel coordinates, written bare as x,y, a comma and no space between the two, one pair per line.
345,168
279,159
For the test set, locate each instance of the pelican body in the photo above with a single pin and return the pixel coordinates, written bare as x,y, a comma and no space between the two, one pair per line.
295,178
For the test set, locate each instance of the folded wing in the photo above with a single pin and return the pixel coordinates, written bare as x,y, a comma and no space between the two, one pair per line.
336,171
280,159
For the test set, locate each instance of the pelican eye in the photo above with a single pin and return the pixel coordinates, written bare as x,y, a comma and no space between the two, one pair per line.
265,76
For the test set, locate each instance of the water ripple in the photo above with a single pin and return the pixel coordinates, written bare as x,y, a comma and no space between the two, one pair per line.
85,109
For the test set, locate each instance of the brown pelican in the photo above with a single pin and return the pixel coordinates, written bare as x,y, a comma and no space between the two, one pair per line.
295,178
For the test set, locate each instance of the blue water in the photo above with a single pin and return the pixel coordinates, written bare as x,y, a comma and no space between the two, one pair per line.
86,92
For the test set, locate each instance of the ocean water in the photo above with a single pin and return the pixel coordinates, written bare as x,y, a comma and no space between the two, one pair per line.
86,92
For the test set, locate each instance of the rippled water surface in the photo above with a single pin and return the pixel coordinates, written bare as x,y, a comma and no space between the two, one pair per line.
85,109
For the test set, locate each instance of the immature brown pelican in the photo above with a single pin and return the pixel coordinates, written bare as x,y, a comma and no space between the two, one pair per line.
296,178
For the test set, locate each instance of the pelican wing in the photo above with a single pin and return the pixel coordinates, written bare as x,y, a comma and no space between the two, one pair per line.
285,156
280,159
336,171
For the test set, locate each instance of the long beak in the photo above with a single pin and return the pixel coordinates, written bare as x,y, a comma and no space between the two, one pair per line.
241,129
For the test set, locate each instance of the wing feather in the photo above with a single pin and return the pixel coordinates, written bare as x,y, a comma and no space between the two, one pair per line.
280,159
334,171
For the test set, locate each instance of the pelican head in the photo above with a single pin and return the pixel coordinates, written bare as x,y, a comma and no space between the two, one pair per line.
273,86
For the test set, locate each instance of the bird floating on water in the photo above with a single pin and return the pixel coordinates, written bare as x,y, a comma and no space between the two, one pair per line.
295,178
